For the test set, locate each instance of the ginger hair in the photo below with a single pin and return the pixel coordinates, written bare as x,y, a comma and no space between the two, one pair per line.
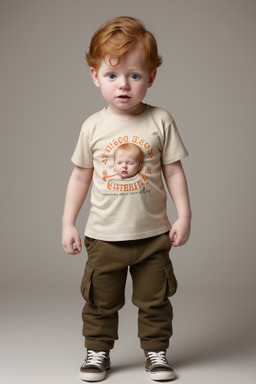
117,37
130,147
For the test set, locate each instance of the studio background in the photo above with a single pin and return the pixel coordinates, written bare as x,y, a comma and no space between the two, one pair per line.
207,82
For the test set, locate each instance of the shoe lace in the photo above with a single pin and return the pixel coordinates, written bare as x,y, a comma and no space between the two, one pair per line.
95,358
158,358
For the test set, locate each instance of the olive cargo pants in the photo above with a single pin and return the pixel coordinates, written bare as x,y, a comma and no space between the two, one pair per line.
103,287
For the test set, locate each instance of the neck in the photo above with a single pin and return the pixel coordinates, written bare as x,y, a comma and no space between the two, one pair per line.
126,114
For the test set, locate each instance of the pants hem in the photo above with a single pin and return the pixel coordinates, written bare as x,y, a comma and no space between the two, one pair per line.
98,346
149,346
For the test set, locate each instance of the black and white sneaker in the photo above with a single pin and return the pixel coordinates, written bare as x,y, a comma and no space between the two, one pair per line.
95,366
157,366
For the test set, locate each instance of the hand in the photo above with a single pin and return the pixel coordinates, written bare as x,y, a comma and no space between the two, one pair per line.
180,231
71,241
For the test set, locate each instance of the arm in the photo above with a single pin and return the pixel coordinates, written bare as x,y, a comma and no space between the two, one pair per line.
77,189
176,183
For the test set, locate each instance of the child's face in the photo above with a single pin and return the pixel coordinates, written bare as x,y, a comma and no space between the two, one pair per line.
127,164
124,86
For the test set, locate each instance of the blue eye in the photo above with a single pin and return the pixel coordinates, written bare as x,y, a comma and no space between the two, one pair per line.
111,76
134,76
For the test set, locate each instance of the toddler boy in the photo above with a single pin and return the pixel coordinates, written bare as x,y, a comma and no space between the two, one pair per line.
128,225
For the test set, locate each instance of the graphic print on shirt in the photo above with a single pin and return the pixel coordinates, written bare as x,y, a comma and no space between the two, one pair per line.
125,168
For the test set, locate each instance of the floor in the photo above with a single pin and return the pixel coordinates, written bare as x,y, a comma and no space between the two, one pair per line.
41,342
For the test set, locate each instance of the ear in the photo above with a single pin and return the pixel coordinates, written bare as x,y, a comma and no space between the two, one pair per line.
152,78
95,77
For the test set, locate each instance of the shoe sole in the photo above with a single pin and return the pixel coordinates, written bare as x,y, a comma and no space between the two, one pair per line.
89,376
161,376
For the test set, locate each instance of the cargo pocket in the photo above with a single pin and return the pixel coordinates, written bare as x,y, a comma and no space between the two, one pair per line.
86,284
172,284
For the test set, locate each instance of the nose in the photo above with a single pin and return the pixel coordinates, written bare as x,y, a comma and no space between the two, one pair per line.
124,84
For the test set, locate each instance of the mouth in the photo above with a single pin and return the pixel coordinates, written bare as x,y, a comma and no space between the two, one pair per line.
123,97
124,173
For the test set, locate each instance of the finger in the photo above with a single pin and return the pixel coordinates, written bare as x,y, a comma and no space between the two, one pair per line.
172,235
177,241
76,249
77,245
70,249
66,248
75,252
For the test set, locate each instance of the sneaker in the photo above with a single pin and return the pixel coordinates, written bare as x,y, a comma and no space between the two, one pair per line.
95,366
158,367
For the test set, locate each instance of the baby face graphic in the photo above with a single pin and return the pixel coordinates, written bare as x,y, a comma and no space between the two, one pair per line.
128,160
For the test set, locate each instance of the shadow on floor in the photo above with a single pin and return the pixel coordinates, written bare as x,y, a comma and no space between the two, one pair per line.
218,325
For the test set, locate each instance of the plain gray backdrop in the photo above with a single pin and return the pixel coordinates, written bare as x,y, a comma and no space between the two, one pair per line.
207,82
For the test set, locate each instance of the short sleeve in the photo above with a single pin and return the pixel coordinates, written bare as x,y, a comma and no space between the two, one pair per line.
173,147
82,156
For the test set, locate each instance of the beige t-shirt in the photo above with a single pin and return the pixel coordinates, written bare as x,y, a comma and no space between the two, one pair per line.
134,207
